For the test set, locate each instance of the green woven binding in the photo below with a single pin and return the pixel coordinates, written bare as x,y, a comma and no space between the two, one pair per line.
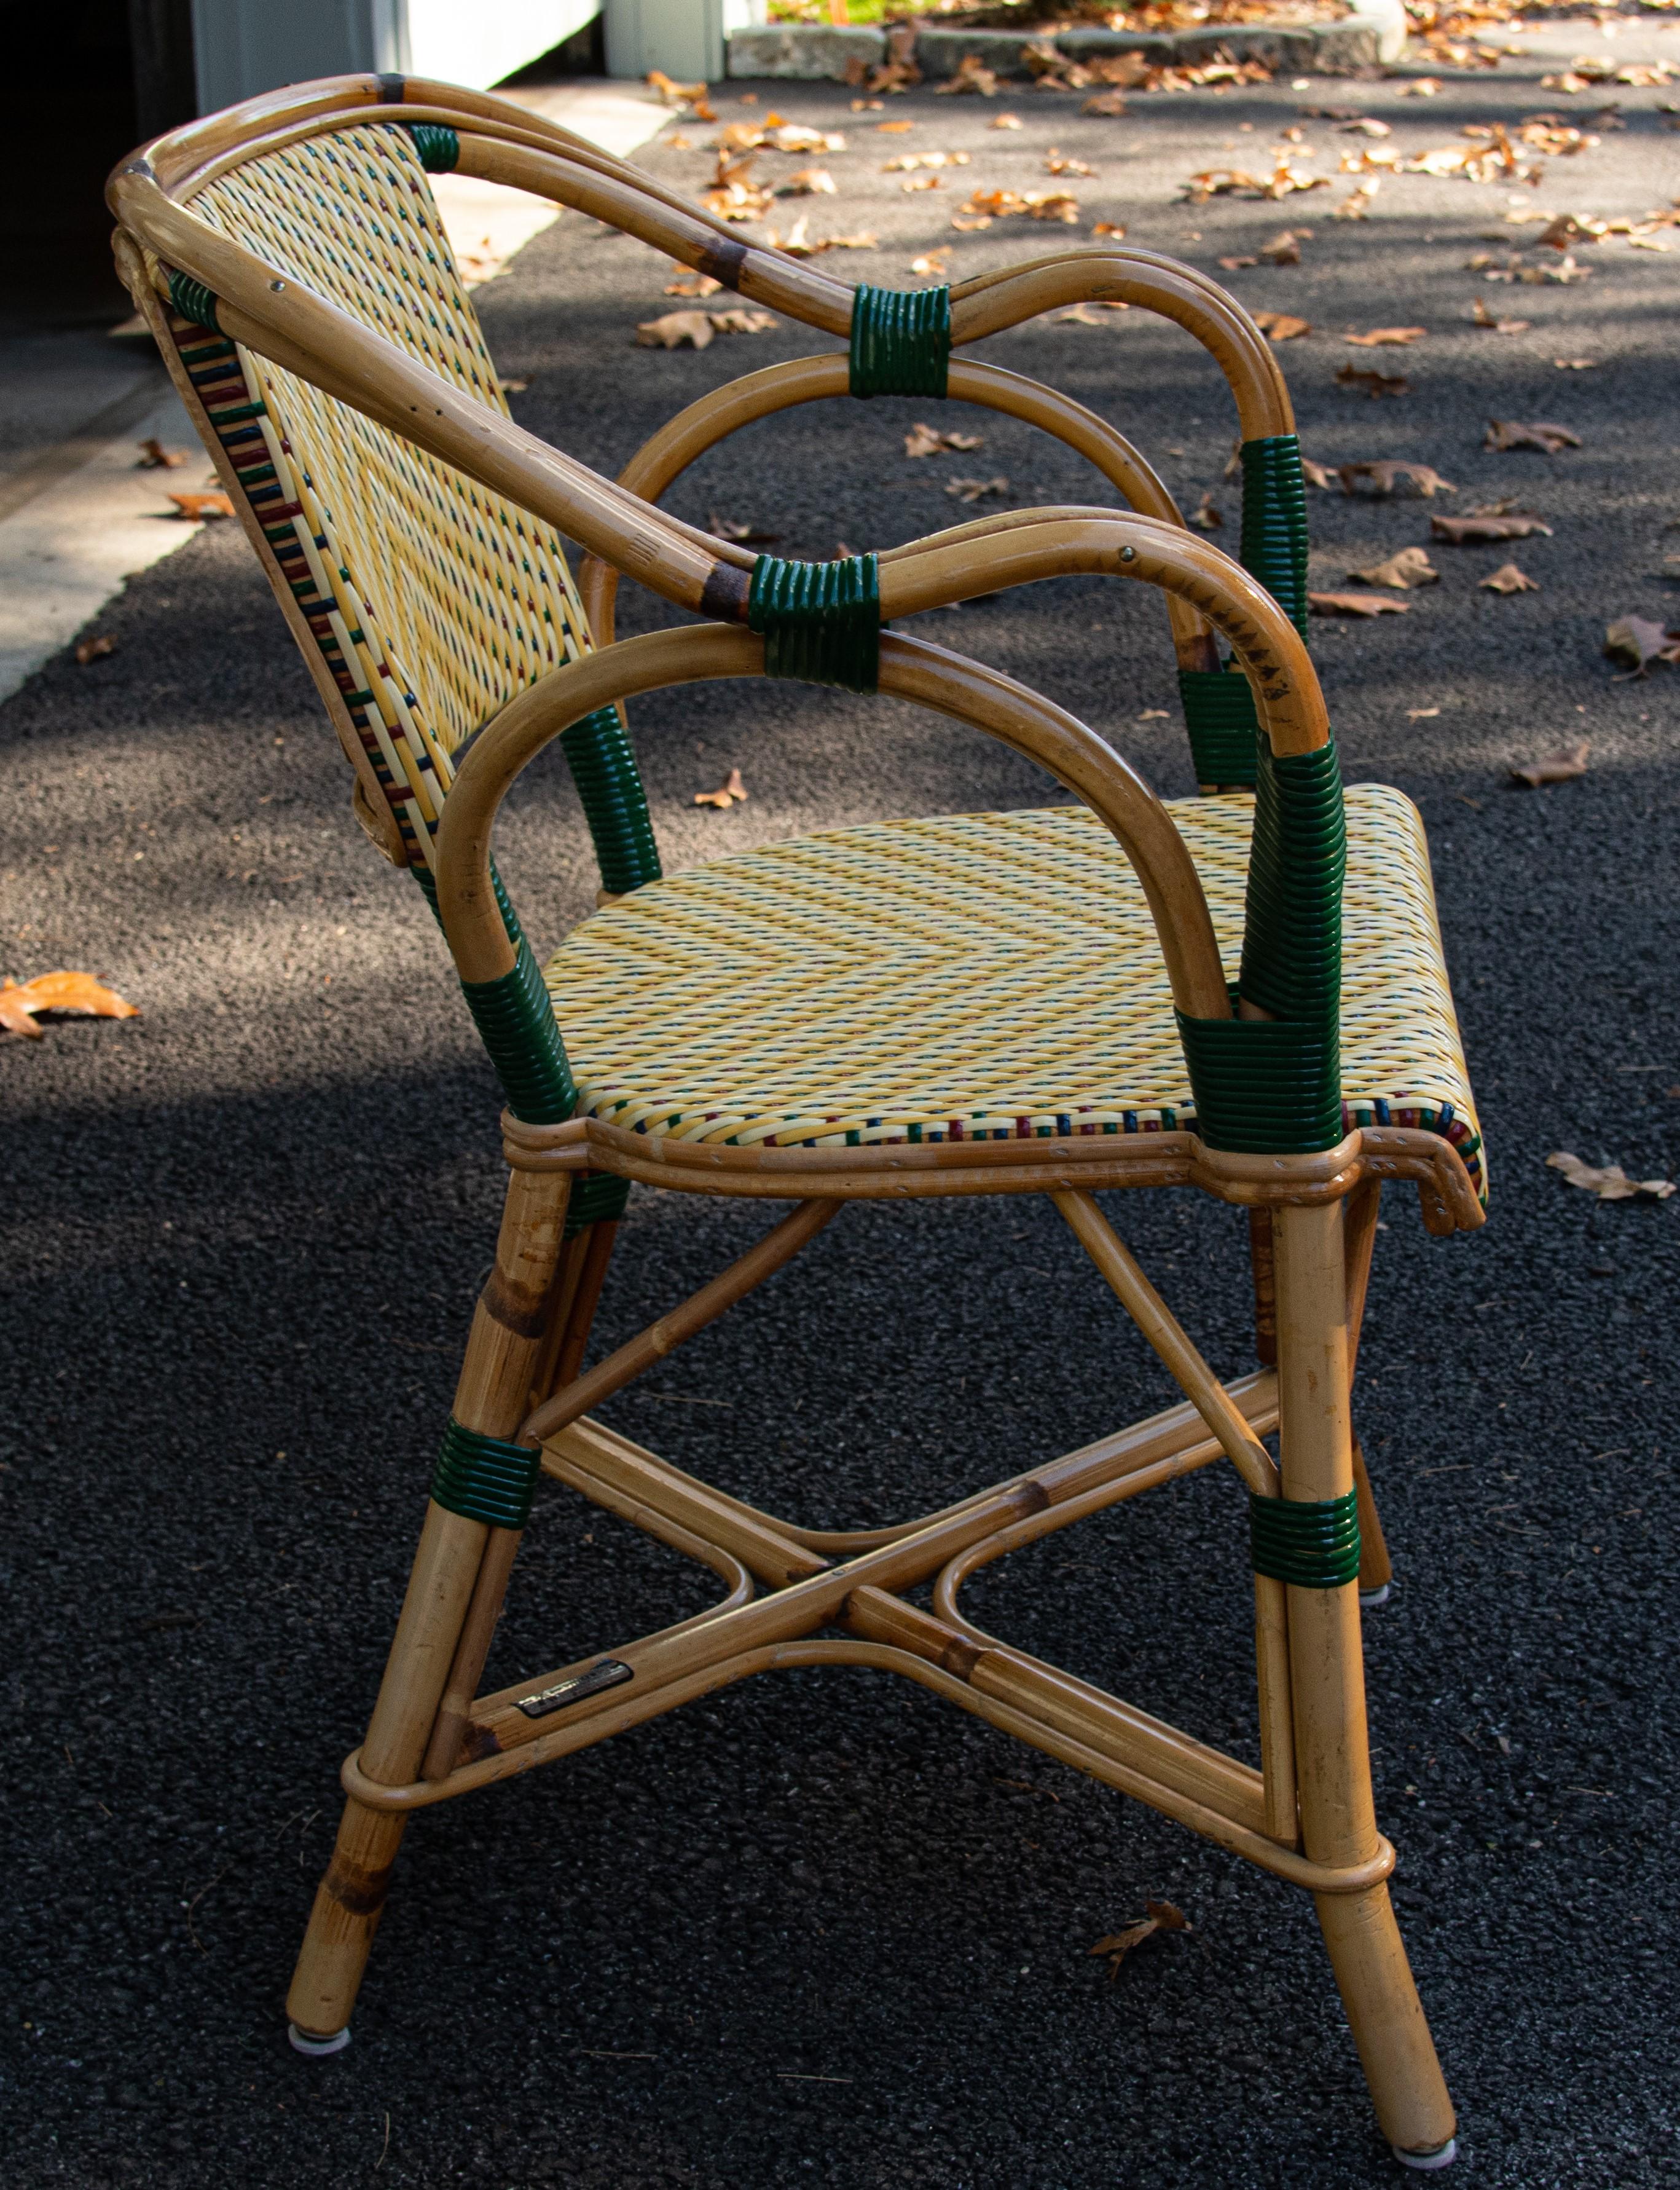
438,145
1274,543
614,804
516,1023
193,302
485,1478
821,622
1223,730
901,341
1274,1087
1311,1542
596,1198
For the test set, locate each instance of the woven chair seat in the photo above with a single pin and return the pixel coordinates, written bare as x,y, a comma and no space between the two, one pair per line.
980,977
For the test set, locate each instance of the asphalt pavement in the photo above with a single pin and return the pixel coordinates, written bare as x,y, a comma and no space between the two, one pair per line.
823,1930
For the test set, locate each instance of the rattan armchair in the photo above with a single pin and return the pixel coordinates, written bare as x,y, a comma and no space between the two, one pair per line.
1245,996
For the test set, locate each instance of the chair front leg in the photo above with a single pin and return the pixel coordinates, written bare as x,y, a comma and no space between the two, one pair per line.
1328,1675
492,1397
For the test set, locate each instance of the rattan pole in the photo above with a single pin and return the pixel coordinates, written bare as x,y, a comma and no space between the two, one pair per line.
761,1260
601,1236
910,668
1376,1567
490,1397
1265,1287
667,454
1166,1335
477,1631
544,1373
1339,1823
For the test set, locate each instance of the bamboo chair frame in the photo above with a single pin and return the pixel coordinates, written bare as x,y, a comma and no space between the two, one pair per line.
497,141
1307,1815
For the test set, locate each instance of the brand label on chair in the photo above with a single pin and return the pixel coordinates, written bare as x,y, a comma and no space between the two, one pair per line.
610,1673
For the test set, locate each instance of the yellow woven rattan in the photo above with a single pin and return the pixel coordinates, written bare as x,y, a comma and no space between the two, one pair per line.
443,598
988,976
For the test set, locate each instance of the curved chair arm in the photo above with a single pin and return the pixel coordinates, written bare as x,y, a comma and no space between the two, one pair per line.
469,904
667,454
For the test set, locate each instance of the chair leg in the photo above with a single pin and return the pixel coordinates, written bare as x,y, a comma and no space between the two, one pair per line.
1376,1567
1328,1675
493,1396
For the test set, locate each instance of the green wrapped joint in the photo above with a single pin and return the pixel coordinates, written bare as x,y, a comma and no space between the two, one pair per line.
614,803
485,1478
597,1197
1224,729
1273,547
901,341
193,302
1273,1086
1313,1543
436,144
821,622
516,1023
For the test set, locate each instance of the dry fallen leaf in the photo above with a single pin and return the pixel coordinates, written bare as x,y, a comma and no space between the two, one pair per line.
1355,605
1105,102
1161,1916
1506,433
692,285
1609,1182
1509,578
726,794
1482,317
1057,163
513,386
199,507
1314,475
1406,568
1575,363
1206,518
1560,767
924,440
1379,335
1387,477
1488,524
972,490
1117,228
933,265
921,183
747,534
154,457
58,992
807,182
1638,641
1037,204
1372,383
94,650
671,93
1235,266
1421,714
1004,122
671,329
1281,326
1154,715
972,74
1284,249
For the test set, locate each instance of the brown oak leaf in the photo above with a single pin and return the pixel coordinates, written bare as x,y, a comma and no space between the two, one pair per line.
1406,568
198,508
1379,335
79,993
1560,767
1609,1182
1487,525
1506,434
1355,605
1638,641
1509,578
1373,383
1281,326
1159,1916
1387,477
726,794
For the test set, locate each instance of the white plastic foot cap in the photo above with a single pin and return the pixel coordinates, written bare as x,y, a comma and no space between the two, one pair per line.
339,2040
1442,2156
1378,1597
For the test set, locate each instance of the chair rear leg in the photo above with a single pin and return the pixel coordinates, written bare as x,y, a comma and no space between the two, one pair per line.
1376,1567
1337,1817
493,1396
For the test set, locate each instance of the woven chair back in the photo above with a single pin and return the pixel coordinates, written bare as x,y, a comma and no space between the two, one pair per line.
435,599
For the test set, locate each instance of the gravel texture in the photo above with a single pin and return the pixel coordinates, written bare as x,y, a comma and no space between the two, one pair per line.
824,1930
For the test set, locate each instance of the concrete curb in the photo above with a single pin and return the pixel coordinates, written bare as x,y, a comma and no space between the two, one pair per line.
1373,35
